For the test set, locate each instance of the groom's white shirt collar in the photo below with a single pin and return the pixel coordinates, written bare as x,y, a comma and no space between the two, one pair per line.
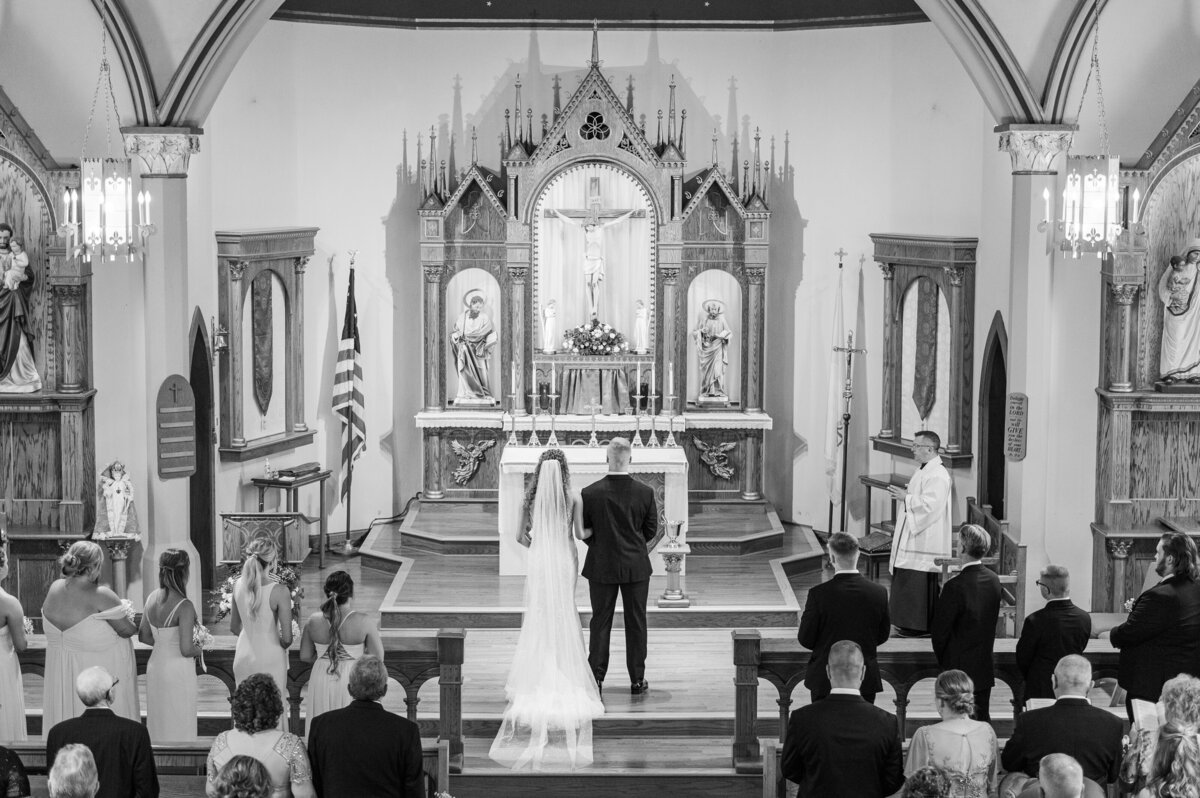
618,473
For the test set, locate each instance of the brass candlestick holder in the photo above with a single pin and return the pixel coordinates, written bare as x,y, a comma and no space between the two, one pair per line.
553,439
592,442
652,442
513,440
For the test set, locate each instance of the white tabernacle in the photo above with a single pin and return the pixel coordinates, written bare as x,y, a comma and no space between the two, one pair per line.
587,465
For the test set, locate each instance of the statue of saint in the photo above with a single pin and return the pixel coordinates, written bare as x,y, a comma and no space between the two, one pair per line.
18,374
473,338
712,336
115,513
593,252
1179,360
641,327
550,327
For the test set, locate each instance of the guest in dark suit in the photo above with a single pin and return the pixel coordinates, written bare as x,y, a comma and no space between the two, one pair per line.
1053,632
847,607
362,749
964,623
1071,726
842,745
120,746
1161,637
620,519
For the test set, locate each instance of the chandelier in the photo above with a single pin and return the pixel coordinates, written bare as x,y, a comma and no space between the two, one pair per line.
98,218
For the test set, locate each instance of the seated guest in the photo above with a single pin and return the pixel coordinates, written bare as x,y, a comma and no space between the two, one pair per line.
363,749
1060,776
13,781
1058,629
963,749
849,606
242,777
256,709
842,745
928,782
119,746
73,774
1175,771
1181,710
1091,736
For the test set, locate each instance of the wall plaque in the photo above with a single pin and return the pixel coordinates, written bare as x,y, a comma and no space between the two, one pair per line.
1016,425
175,430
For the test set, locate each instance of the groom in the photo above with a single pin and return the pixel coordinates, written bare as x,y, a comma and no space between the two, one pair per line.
622,518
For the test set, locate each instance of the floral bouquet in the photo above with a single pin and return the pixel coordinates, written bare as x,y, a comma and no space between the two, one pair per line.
286,575
594,338
27,625
203,640
130,612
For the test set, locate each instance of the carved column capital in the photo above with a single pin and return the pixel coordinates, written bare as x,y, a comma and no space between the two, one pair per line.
1123,293
68,293
670,274
518,273
161,151
433,274
301,264
1119,548
237,268
889,271
757,275
1034,148
956,275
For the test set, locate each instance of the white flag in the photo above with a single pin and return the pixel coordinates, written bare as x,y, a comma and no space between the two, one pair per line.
834,435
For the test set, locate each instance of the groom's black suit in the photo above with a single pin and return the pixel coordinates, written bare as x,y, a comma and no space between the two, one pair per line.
623,517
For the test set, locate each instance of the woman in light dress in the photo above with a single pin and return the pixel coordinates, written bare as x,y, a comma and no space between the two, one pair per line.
964,750
256,709
333,641
552,694
1161,746
262,617
167,624
86,624
12,642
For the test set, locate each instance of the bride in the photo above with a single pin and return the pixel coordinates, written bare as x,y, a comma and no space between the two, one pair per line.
552,694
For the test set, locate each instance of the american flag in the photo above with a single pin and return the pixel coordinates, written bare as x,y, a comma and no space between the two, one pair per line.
347,389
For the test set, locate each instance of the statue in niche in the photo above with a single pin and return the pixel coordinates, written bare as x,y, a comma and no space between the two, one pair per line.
1179,360
473,338
550,327
18,374
712,336
593,252
641,328
116,515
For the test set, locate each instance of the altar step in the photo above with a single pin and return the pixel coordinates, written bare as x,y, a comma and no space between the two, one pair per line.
436,527
725,527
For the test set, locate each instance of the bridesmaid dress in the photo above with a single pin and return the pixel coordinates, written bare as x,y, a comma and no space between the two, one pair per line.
12,695
69,651
258,649
327,690
171,685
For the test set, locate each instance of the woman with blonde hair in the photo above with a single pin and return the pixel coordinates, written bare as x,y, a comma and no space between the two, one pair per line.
964,750
1165,762
262,617
167,624
86,624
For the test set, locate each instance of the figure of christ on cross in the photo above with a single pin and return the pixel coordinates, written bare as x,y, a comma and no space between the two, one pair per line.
593,221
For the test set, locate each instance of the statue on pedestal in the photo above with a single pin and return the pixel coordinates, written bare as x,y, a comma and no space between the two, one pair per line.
18,374
550,327
1179,359
641,328
712,336
116,515
472,339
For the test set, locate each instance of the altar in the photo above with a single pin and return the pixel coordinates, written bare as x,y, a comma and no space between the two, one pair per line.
664,469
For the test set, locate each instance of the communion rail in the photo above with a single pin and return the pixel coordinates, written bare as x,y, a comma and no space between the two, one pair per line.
902,663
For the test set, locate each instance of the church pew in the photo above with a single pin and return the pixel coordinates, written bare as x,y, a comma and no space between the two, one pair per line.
902,663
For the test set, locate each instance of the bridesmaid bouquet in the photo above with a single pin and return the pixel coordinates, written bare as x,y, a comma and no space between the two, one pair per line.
27,625
203,640
286,575
130,612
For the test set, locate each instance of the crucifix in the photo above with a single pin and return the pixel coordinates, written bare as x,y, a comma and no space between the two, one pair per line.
593,220
847,396
593,407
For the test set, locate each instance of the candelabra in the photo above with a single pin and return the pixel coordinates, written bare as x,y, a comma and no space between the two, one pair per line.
533,436
637,419
652,442
553,439
513,440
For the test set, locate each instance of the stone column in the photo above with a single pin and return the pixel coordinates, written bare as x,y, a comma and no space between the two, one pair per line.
69,298
751,469
890,411
237,351
295,396
161,156
668,341
1123,295
1118,550
433,464
955,302
434,345
757,277
516,336
1034,149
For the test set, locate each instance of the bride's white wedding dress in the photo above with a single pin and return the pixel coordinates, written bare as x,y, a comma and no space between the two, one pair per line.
552,694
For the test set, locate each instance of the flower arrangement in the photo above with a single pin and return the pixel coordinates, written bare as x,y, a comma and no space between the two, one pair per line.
594,338
130,612
203,640
1129,605
286,575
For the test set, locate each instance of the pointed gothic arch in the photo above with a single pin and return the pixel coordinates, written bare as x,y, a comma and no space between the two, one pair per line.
993,392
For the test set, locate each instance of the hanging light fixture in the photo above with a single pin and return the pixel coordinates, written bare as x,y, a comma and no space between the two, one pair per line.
1091,194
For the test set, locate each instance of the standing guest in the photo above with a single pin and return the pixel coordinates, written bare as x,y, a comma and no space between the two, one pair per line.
362,749
333,640
242,777
964,627
14,783
928,782
167,624
962,748
1057,630
1071,726
262,617
842,745
121,746
923,534
1161,636
256,709
86,625
1181,710
12,642
847,607
73,774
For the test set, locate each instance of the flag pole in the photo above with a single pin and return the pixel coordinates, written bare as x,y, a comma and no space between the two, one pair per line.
349,470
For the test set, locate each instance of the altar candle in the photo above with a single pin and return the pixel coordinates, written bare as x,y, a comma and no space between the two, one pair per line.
66,205
670,375
74,206
514,377
147,207
638,385
652,382
553,379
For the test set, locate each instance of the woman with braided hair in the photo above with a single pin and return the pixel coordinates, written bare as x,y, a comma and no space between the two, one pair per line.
333,640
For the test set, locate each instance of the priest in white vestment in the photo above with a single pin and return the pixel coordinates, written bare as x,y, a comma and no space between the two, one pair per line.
923,534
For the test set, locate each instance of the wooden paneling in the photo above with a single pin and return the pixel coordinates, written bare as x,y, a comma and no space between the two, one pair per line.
700,477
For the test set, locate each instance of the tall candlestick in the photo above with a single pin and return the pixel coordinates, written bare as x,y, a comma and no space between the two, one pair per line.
652,382
670,376
74,206
66,206
147,207
553,378
514,376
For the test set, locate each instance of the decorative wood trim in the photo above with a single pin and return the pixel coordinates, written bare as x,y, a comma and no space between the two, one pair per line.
262,447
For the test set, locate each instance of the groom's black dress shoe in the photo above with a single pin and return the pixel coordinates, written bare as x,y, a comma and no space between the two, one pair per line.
637,688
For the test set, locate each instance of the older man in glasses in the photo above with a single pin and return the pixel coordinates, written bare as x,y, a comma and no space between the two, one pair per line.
1053,632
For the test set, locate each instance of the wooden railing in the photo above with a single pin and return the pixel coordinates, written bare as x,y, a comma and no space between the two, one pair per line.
902,663
411,659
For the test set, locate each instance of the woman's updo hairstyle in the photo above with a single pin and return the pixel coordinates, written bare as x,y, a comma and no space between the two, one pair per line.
84,558
173,567
957,691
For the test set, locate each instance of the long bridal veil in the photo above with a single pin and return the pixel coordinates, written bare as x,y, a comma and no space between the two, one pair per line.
551,692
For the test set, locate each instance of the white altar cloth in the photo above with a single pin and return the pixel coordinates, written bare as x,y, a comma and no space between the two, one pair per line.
587,464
